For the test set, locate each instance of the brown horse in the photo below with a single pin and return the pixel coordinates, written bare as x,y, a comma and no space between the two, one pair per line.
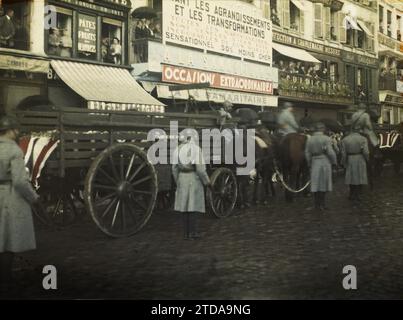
293,164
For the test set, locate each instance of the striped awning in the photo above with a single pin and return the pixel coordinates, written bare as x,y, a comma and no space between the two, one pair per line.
109,85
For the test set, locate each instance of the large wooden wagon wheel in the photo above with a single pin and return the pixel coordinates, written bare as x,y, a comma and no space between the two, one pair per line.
120,190
223,194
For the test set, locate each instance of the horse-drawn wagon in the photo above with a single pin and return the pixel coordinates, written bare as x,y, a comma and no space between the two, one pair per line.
102,157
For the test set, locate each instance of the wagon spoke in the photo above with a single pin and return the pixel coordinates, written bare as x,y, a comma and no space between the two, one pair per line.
123,216
121,166
112,163
104,187
107,175
108,208
137,171
129,168
115,214
132,212
141,205
149,193
141,181
100,200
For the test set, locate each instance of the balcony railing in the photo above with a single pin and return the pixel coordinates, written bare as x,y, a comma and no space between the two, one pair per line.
309,88
387,82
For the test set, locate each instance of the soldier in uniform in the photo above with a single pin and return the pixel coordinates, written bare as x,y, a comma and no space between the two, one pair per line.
354,154
16,196
361,122
7,29
189,172
286,120
320,156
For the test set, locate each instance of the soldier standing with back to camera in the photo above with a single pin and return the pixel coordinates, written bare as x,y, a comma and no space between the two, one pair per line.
354,157
320,156
16,197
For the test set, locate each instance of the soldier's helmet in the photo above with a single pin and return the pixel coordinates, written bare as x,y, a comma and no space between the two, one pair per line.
8,123
362,106
287,105
227,105
320,126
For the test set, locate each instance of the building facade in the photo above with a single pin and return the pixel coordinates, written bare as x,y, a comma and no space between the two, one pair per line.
68,53
195,42
326,53
390,25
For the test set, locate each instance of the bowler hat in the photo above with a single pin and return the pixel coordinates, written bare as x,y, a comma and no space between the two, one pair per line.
7,123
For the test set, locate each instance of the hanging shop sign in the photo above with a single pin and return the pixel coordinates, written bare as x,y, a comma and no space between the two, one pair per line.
23,64
219,96
181,75
87,33
229,27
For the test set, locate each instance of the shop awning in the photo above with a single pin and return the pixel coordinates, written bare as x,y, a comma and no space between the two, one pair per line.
10,62
102,85
294,53
213,95
299,4
365,28
352,23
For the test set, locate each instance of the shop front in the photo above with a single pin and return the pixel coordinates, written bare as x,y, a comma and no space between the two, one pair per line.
21,76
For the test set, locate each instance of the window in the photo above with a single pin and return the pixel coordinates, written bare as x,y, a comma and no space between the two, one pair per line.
297,16
380,19
318,18
398,33
274,15
359,77
333,72
15,24
111,44
60,39
265,6
389,23
87,36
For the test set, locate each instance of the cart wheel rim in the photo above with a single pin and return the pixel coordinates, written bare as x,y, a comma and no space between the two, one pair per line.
121,190
223,194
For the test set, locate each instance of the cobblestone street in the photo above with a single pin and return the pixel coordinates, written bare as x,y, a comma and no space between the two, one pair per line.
282,251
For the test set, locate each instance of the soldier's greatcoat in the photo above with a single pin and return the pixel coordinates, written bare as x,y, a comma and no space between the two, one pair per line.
286,122
320,156
361,122
16,195
190,175
355,153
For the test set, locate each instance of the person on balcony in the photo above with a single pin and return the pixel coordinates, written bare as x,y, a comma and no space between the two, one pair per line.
274,17
116,51
361,122
157,31
7,29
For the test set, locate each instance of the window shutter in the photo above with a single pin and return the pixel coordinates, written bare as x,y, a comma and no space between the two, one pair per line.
326,21
302,21
342,27
266,9
318,20
286,14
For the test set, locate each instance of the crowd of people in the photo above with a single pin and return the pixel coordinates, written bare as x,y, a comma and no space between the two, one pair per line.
111,50
144,30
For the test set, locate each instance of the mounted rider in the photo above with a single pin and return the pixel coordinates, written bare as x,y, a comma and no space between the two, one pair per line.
286,120
361,122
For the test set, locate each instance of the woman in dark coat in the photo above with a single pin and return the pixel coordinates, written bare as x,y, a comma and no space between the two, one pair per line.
16,197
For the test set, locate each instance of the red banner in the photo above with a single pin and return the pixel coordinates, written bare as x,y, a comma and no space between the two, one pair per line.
175,74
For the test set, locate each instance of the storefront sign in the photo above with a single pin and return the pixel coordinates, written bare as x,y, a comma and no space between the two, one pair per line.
305,44
87,33
23,64
229,27
125,3
175,74
359,59
98,105
92,6
219,96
